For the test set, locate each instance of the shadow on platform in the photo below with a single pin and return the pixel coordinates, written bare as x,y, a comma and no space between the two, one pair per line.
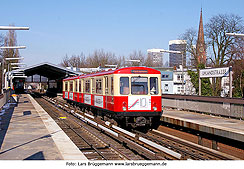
43,137
5,121
37,156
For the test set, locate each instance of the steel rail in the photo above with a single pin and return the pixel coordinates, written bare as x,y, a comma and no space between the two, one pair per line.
86,119
86,141
136,145
194,146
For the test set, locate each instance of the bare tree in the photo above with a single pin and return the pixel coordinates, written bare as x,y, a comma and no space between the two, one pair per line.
1,57
238,68
1,44
97,58
190,36
74,61
65,61
219,43
149,62
136,55
121,61
11,40
101,58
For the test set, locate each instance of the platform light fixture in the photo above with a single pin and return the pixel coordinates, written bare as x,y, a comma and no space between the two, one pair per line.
15,67
17,63
235,34
20,58
12,47
13,28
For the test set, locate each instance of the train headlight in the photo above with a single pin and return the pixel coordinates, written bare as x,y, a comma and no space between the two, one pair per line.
124,106
155,108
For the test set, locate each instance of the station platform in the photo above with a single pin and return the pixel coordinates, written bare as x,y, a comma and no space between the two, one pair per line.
219,126
27,132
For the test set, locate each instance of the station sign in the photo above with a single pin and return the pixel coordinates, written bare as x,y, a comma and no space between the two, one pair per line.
215,72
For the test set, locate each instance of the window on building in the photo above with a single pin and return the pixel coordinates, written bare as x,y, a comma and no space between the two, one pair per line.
153,85
182,89
178,89
166,87
139,85
178,77
165,76
124,85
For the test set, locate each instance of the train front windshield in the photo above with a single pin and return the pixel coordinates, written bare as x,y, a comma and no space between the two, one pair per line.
139,85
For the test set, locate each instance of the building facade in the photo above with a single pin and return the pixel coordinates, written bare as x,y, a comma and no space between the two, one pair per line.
174,58
157,57
176,81
167,84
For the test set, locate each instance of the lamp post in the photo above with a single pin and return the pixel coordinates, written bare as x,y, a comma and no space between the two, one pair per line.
10,47
176,52
7,59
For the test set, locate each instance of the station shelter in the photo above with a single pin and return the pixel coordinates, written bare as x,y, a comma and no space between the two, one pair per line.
44,77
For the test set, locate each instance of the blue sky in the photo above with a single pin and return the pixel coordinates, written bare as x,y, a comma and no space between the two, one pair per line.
60,27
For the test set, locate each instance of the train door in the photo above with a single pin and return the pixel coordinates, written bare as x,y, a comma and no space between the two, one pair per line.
106,92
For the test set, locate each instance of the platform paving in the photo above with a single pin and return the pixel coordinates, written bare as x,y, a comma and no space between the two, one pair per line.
29,133
220,126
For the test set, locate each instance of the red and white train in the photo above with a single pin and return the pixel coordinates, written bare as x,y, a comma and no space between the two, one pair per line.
131,95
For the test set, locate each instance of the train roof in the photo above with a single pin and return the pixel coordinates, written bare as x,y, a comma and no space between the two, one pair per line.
126,70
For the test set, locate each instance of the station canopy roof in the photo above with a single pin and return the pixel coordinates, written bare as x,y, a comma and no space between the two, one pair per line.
49,70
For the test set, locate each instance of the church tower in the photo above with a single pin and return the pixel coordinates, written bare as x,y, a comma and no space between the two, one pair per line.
200,47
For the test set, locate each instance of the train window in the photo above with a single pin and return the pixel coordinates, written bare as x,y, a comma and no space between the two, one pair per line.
66,86
112,86
80,84
124,85
71,86
93,85
75,86
87,86
106,85
99,86
153,85
139,85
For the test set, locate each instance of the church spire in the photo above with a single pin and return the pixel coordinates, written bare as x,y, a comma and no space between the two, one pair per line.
200,47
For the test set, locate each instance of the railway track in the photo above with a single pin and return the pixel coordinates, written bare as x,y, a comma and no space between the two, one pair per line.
104,141
187,149
94,144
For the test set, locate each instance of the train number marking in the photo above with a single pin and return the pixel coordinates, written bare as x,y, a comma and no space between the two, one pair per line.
141,103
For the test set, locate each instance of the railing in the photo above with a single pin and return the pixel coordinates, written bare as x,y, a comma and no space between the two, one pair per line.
228,107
